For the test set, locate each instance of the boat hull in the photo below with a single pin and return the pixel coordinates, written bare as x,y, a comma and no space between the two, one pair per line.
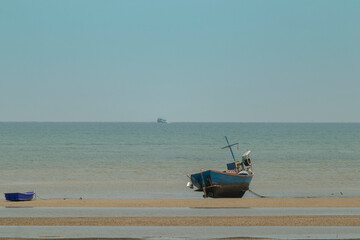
27,196
221,184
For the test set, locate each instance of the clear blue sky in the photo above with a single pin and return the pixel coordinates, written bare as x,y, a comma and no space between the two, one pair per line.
197,61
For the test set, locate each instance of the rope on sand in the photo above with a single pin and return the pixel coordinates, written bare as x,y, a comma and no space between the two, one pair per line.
258,195
38,197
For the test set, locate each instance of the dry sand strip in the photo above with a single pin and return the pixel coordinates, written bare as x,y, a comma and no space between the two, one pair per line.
353,220
196,203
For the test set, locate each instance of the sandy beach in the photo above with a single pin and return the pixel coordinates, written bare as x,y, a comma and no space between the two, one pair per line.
191,203
327,220
186,221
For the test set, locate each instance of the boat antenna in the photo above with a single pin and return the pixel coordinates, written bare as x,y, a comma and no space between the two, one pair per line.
229,146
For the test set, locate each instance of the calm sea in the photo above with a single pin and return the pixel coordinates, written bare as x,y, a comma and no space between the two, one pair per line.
150,160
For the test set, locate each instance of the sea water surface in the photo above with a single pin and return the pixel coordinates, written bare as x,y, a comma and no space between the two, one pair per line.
150,160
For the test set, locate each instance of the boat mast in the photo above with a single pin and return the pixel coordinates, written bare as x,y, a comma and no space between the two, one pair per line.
229,146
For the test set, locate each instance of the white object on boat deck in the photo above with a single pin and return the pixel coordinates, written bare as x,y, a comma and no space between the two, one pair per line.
190,185
246,154
243,172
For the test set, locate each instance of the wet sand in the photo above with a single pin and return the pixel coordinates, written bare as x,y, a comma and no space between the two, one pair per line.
49,238
194,203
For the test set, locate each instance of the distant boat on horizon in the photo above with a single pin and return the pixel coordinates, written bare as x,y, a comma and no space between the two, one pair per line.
161,120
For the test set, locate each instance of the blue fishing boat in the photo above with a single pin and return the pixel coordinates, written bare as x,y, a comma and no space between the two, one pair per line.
18,196
233,182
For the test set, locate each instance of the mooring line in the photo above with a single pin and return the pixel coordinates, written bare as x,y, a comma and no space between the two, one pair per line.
256,194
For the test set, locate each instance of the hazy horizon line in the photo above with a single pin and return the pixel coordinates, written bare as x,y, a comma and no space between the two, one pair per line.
29,121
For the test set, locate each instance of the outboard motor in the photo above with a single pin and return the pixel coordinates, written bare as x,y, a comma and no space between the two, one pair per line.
246,159
246,162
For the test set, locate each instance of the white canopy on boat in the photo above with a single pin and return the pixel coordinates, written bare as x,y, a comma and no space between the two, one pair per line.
246,154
